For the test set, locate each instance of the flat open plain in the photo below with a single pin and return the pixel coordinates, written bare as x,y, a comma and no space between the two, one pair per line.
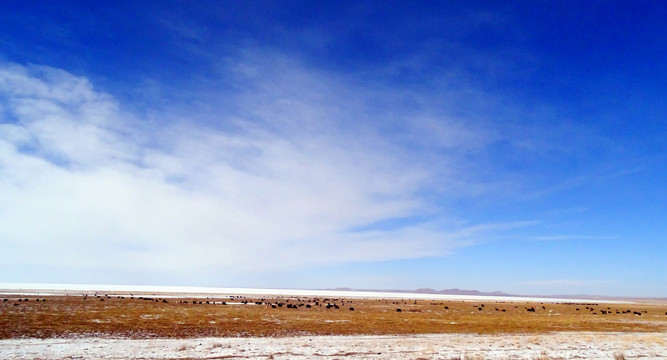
181,326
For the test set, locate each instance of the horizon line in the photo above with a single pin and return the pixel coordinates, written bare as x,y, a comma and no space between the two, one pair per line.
59,289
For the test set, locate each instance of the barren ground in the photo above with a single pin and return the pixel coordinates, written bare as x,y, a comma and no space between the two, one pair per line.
123,326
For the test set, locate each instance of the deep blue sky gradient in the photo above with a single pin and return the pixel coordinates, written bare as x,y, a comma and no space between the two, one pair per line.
571,94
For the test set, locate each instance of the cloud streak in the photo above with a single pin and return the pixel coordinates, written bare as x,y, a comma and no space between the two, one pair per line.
284,179
572,237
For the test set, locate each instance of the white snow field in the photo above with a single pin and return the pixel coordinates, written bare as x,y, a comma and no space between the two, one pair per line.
563,345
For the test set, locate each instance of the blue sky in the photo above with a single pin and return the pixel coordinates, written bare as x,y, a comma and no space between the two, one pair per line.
516,147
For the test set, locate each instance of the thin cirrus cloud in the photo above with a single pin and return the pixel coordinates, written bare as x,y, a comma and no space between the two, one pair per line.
572,237
281,183
569,285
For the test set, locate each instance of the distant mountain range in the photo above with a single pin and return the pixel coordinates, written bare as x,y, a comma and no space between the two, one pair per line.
499,293
461,292
432,291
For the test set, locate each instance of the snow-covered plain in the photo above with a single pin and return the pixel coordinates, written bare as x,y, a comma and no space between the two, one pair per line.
443,346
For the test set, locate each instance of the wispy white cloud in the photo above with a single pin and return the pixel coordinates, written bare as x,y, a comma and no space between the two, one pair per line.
279,181
572,237
588,178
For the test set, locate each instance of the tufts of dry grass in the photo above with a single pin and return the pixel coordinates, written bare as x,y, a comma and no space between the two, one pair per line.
473,357
184,348
543,356
139,318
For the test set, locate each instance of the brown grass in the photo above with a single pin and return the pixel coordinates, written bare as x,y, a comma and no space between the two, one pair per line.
132,317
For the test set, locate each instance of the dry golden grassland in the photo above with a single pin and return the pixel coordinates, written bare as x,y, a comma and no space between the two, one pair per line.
138,317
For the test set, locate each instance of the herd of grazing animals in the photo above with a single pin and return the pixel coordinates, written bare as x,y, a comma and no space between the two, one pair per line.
185,315
327,303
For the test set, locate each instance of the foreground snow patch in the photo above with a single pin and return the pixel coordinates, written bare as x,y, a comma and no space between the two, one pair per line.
442,346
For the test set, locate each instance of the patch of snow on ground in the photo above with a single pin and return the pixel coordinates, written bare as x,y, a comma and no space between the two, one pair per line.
442,346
